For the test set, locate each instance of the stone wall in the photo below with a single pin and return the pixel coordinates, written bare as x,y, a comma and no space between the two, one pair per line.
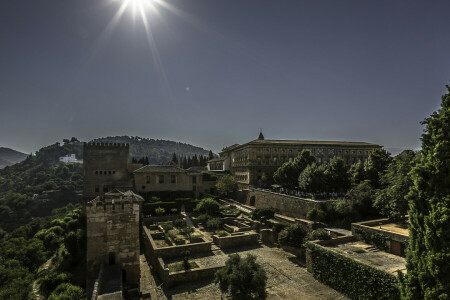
113,238
368,227
171,279
152,251
236,240
283,204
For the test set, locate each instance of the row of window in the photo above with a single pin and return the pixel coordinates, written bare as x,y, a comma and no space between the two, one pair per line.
242,156
242,177
161,179
109,172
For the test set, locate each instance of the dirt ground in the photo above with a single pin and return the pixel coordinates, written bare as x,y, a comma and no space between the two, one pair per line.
287,279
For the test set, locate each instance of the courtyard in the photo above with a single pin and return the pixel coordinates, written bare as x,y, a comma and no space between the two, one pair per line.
287,278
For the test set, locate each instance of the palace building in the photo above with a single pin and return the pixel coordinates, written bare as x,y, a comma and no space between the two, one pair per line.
249,161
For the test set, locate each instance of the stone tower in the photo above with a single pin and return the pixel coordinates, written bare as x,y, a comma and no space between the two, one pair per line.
112,230
105,167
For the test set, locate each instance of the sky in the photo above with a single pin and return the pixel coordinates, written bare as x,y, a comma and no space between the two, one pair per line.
212,73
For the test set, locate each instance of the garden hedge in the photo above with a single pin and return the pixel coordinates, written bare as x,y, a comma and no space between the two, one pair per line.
354,279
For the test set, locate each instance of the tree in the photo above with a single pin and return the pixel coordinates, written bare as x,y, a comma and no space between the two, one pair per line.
262,213
391,201
314,178
160,210
293,235
175,159
242,278
338,175
375,166
208,206
287,174
210,155
226,185
357,173
429,214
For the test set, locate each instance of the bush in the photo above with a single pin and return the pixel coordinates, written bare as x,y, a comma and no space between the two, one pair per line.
294,235
179,223
350,277
214,224
262,214
166,226
203,219
208,206
319,234
277,227
67,291
316,215
53,280
221,233
242,278
160,211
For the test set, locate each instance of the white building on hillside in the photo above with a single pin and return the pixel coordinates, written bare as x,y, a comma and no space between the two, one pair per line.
68,159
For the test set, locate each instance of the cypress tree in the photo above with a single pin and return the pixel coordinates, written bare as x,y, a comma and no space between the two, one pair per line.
175,159
210,155
428,259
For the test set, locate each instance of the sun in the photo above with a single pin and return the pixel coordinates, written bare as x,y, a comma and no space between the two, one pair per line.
139,6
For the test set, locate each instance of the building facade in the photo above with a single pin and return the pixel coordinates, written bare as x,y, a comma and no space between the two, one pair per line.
248,162
169,178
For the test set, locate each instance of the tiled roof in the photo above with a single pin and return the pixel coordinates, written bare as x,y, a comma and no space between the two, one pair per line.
160,169
217,159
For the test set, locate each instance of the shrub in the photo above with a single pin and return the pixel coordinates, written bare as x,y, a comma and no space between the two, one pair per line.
294,235
316,215
319,234
203,218
67,291
221,233
350,277
166,226
179,223
243,278
52,280
262,214
160,211
214,224
208,206
277,227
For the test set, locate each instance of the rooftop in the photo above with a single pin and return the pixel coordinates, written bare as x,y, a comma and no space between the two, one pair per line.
369,255
302,143
160,169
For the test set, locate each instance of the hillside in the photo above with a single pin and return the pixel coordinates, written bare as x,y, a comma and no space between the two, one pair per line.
9,157
157,151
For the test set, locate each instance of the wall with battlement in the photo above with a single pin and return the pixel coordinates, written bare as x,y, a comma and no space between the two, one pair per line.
113,237
105,167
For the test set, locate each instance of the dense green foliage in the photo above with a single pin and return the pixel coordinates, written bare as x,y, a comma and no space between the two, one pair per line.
67,291
242,278
261,214
318,234
226,185
287,174
208,206
35,175
429,215
23,250
391,201
374,167
350,277
293,235
374,238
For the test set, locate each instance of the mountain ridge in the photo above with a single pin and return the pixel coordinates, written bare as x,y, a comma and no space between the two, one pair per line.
10,156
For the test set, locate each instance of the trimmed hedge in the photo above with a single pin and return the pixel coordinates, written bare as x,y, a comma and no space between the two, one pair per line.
350,277
374,238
